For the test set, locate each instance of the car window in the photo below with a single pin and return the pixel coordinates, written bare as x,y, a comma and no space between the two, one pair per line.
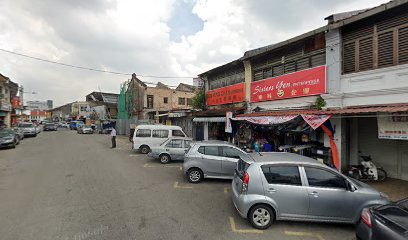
176,143
322,178
209,150
230,152
177,133
161,133
288,175
187,143
143,133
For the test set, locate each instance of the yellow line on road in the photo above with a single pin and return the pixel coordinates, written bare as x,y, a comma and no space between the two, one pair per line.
226,190
304,234
177,186
235,230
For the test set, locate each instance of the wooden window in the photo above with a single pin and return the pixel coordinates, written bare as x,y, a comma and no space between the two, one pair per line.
182,101
349,60
385,49
150,100
165,100
365,51
189,101
403,45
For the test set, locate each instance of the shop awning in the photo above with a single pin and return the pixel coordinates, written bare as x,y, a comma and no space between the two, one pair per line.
267,120
394,108
209,119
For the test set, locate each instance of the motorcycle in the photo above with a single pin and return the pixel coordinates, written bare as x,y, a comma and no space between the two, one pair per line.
367,170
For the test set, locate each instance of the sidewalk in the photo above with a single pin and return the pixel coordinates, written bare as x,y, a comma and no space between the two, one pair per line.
396,189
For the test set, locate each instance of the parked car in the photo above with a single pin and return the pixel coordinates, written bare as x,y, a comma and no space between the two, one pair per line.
384,222
84,129
63,125
288,186
37,128
172,149
15,135
19,132
73,125
211,159
29,129
147,136
50,127
8,138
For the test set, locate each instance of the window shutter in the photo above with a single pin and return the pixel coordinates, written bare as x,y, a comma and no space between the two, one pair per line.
403,45
385,49
349,60
258,75
365,49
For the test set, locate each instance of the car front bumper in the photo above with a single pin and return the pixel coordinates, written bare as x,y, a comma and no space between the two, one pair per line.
5,144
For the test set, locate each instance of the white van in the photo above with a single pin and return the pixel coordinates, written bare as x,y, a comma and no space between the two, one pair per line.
147,136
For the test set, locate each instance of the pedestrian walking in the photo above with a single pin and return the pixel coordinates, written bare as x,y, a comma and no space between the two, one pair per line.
113,136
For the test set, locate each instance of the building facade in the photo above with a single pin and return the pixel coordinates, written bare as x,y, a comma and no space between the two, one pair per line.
329,93
39,105
104,104
5,101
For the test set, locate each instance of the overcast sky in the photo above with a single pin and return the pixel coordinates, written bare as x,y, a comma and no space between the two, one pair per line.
147,37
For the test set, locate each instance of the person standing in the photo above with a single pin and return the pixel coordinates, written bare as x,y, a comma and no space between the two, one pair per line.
113,136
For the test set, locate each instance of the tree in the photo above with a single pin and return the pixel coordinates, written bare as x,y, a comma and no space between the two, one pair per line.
199,100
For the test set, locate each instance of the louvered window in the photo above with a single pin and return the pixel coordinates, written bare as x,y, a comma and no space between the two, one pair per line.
403,45
376,42
385,49
365,52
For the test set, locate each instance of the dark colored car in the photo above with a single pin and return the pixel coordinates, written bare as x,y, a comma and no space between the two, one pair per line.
50,127
8,139
382,222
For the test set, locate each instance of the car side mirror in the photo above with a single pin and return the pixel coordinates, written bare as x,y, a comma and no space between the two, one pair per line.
350,186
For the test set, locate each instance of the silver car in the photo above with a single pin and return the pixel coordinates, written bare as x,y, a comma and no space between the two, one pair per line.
211,159
29,129
287,186
84,129
172,149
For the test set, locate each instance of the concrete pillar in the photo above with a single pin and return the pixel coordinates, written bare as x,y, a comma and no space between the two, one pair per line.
206,131
354,143
248,80
340,138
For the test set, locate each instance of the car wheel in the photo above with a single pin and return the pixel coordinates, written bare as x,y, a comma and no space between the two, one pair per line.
261,216
164,158
382,175
144,149
195,175
35,135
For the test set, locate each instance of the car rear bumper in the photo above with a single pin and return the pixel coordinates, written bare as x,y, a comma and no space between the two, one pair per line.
240,201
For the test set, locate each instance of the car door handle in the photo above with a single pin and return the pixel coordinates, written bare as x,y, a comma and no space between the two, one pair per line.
272,190
314,194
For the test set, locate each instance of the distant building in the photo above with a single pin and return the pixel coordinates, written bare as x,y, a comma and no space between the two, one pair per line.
39,105
104,104
5,104
198,82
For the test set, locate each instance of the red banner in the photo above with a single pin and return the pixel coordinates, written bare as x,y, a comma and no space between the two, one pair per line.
225,95
15,102
299,84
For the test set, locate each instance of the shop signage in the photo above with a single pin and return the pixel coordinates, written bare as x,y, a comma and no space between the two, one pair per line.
228,126
393,127
299,84
225,95
15,102
5,106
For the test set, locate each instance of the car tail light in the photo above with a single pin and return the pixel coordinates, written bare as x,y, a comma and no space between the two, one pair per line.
366,217
245,183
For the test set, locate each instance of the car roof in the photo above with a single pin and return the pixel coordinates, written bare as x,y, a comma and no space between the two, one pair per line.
182,138
153,127
278,157
214,142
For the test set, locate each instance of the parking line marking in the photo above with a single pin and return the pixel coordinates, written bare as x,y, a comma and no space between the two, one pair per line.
146,165
305,234
226,190
234,228
177,186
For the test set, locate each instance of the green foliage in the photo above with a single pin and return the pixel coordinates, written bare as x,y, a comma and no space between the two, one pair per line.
320,103
199,100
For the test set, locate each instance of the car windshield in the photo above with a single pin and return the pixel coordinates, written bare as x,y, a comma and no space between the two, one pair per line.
27,125
403,204
5,133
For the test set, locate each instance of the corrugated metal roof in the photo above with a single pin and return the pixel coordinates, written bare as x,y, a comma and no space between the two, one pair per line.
343,111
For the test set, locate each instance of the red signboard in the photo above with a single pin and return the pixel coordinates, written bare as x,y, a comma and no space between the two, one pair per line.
225,95
299,84
15,102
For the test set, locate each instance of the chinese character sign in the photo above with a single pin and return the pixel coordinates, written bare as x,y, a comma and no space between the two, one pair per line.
299,84
225,95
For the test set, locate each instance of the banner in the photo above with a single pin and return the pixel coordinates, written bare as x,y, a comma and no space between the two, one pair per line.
266,120
299,84
393,127
315,121
228,126
231,94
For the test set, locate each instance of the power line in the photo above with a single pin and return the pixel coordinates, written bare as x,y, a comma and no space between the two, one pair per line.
87,68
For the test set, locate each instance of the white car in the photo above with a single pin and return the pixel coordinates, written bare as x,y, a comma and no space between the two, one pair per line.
172,149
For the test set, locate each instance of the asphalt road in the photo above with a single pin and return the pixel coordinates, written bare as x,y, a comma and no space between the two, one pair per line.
62,185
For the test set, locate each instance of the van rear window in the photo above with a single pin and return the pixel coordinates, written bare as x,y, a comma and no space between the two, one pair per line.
160,133
178,133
